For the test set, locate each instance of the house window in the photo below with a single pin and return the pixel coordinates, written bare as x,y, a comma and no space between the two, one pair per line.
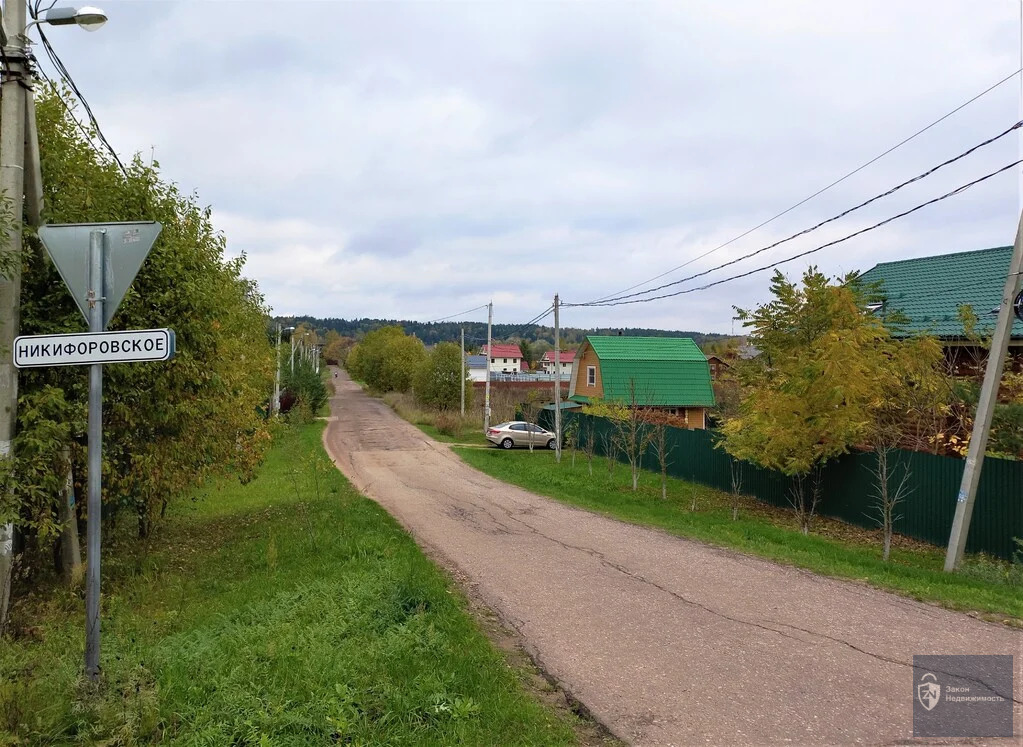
591,376
505,360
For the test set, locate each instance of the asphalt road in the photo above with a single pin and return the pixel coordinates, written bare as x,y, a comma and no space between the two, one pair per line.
666,641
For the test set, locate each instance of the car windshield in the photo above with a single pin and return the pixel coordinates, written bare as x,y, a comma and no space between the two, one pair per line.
502,425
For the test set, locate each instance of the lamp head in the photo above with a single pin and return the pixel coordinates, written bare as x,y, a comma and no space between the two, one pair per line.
88,17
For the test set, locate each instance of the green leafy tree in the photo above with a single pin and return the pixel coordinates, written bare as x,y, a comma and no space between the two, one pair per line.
438,382
167,425
813,391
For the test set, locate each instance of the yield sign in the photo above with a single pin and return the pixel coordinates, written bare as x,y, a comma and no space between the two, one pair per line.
125,248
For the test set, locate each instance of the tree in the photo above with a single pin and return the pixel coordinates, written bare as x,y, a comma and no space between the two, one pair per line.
662,448
629,426
911,390
527,351
386,359
402,358
736,471
438,382
167,425
812,392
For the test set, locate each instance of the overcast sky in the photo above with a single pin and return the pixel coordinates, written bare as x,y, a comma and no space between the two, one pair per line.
411,160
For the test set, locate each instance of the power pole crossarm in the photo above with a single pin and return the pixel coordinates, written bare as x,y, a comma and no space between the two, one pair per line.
985,407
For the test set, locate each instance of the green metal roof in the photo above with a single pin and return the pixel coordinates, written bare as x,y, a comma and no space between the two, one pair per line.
928,291
667,371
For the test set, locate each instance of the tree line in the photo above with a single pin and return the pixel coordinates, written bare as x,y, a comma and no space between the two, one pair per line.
167,425
476,332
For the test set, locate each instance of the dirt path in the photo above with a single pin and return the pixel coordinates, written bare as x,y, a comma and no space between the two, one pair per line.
664,640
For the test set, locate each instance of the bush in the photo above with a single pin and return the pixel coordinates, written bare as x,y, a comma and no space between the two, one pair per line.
448,423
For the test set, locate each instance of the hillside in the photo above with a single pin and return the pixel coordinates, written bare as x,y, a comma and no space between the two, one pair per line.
476,332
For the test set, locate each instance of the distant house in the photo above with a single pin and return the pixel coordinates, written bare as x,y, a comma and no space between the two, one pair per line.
566,358
924,295
667,374
477,367
504,358
717,366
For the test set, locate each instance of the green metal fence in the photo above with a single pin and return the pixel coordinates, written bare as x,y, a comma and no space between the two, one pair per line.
848,487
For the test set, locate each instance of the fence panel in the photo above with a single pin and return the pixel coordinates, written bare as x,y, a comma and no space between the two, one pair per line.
848,486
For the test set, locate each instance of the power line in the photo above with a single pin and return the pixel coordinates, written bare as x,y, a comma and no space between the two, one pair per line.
922,205
533,322
819,192
460,313
832,219
65,75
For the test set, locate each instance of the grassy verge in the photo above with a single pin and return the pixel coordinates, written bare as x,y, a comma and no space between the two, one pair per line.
287,611
833,548
470,437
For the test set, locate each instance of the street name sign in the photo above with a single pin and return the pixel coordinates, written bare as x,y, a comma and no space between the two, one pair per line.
125,248
86,348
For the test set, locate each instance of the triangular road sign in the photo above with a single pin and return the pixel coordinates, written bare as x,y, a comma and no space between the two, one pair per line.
125,247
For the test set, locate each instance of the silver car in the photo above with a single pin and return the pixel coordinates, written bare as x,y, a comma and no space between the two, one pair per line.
520,433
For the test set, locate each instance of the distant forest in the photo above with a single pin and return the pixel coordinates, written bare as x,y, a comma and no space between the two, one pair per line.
476,332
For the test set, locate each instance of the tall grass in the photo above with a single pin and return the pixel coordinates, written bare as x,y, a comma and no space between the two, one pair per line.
290,610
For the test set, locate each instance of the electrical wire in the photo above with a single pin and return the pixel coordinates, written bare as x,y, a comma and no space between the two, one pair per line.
533,322
460,313
63,72
819,192
794,257
825,222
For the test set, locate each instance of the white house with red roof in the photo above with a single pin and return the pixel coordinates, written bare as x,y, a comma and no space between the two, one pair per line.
504,358
565,357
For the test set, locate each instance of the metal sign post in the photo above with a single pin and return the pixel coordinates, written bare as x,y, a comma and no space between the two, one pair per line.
98,280
95,461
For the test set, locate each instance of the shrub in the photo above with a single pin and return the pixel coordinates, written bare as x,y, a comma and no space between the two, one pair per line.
448,423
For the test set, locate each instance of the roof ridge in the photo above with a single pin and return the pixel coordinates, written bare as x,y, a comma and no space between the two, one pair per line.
941,256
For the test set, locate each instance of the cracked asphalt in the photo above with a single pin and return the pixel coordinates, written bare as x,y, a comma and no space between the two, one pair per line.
666,641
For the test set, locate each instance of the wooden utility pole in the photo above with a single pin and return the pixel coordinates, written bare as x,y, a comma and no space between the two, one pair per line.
557,380
13,112
490,344
985,407
461,370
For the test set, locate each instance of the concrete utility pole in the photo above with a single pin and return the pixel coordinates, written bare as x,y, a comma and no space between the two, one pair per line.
557,380
986,407
13,107
490,345
461,371
275,407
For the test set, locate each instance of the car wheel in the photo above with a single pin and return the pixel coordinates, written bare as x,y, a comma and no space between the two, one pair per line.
507,443
551,445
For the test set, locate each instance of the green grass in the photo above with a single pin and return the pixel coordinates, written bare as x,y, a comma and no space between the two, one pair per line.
474,437
291,610
833,548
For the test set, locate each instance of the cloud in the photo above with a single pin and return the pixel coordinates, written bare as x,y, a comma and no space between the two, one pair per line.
409,160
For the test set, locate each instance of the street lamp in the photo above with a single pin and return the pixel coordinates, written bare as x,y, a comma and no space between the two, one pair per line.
87,17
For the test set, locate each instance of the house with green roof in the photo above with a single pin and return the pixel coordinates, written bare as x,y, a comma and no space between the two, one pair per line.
928,291
926,294
667,374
